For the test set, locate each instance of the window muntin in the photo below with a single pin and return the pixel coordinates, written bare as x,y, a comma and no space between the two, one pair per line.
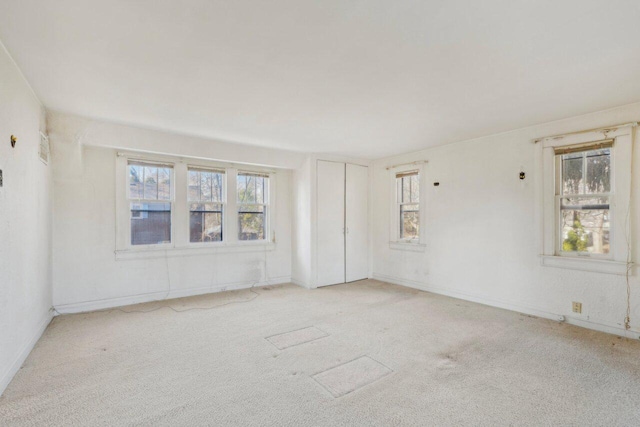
206,199
408,205
150,204
253,205
584,200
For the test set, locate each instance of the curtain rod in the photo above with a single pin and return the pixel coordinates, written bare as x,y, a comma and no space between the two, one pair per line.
419,162
604,128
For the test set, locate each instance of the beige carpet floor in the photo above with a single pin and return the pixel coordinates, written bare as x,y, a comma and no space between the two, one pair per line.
418,359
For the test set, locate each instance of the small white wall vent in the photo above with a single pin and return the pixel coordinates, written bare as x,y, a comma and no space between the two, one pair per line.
44,151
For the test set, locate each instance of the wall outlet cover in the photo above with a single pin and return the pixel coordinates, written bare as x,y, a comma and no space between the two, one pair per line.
577,307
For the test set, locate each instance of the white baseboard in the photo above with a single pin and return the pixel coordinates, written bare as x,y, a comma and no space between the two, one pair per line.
300,283
24,353
588,324
85,306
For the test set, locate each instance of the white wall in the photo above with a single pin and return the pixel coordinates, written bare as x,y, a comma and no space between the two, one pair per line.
25,222
301,244
483,232
86,273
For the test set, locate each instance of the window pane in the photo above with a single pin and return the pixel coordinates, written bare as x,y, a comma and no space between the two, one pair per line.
409,221
194,186
164,184
415,189
150,223
572,173
205,222
246,189
136,178
585,225
598,171
241,187
217,187
253,189
406,189
205,186
251,222
150,182
259,189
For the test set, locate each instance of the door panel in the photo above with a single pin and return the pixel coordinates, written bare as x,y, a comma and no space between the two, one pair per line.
357,247
330,222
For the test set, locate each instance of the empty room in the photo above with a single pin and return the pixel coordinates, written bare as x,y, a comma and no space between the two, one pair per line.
319,213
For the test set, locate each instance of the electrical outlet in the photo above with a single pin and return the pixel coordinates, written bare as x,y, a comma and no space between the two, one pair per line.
577,307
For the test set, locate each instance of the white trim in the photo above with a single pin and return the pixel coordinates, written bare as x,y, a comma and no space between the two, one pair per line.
87,306
191,250
300,283
585,264
24,353
560,139
609,328
408,246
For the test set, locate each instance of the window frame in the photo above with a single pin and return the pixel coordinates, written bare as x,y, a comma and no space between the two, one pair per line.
395,239
171,202
400,203
224,231
558,202
620,211
266,206
180,239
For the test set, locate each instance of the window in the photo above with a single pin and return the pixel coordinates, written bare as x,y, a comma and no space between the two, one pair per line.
253,205
583,198
408,205
206,205
168,207
150,198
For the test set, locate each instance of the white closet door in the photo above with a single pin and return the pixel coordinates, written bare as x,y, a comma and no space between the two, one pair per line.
330,222
356,221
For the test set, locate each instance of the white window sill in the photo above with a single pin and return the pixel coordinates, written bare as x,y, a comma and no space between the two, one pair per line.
585,264
408,246
194,250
